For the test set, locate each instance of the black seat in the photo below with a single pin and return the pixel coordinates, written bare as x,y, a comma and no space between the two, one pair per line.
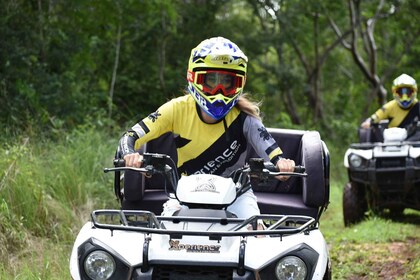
298,196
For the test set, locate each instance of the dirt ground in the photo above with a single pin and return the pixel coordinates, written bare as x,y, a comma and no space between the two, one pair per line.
386,261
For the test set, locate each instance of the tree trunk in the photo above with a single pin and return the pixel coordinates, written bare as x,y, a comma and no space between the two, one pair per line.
114,72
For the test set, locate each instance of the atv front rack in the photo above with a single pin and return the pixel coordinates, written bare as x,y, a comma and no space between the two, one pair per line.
148,223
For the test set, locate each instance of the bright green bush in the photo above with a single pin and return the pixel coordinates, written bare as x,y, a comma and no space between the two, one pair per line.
45,185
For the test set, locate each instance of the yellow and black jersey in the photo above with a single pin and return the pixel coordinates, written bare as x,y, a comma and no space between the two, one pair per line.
202,147
397,116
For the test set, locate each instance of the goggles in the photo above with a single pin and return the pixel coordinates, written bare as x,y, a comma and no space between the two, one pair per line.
404,90
216,81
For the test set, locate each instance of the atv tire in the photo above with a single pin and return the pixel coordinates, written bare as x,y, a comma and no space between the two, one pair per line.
328,273
354,203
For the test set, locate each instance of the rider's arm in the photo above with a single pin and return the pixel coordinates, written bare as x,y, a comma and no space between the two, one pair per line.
127,147
386,112
265,145
127,142
261,140
145,130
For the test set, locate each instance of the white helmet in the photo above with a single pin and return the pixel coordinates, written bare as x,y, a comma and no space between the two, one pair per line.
404,89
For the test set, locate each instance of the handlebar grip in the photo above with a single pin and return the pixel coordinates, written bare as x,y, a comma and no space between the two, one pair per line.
119,162
299,169
270,167
273,168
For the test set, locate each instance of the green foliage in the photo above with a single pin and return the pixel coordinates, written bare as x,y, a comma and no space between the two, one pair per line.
45,182
57,62
60,58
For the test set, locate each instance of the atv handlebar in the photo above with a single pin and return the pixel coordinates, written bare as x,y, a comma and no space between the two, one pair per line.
157,163
256,169
258,166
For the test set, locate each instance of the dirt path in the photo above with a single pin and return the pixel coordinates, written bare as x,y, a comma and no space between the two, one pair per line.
386,261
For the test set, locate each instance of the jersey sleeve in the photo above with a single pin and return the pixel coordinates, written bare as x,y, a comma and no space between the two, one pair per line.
261,140
382,113
149,128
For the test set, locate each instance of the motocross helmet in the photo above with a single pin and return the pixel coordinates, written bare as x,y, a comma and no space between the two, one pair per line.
216,75
404,89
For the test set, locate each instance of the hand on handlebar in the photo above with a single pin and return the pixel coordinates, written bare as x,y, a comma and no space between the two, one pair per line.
133,160
366,123
285,165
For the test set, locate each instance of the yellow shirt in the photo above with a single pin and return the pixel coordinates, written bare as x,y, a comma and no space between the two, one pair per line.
203,147
395,114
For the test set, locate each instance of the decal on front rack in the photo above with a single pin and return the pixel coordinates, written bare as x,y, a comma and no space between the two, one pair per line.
175,245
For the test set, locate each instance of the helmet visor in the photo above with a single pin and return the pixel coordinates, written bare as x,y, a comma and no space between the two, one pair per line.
220,82
405,90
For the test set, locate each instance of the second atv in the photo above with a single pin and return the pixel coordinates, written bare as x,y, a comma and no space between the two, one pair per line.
383,171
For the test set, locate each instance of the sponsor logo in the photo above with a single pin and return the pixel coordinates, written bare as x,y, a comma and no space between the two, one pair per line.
227,155
264,133
190,76
154,116
175,245
222,59
200,100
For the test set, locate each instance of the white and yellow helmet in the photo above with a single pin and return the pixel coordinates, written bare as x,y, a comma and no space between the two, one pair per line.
404,89
216,75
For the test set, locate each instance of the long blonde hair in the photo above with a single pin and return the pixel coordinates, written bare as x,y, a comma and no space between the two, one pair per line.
249,106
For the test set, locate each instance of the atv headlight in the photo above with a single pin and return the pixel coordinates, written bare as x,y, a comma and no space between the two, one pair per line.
99,265
355,160
291,268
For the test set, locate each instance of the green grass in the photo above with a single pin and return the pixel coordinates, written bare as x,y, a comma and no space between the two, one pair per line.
47,191
374,246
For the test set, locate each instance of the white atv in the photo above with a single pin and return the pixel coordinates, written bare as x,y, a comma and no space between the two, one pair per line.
383,171
203,241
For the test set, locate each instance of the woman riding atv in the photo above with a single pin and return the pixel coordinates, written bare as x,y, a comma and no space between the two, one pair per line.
214,122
